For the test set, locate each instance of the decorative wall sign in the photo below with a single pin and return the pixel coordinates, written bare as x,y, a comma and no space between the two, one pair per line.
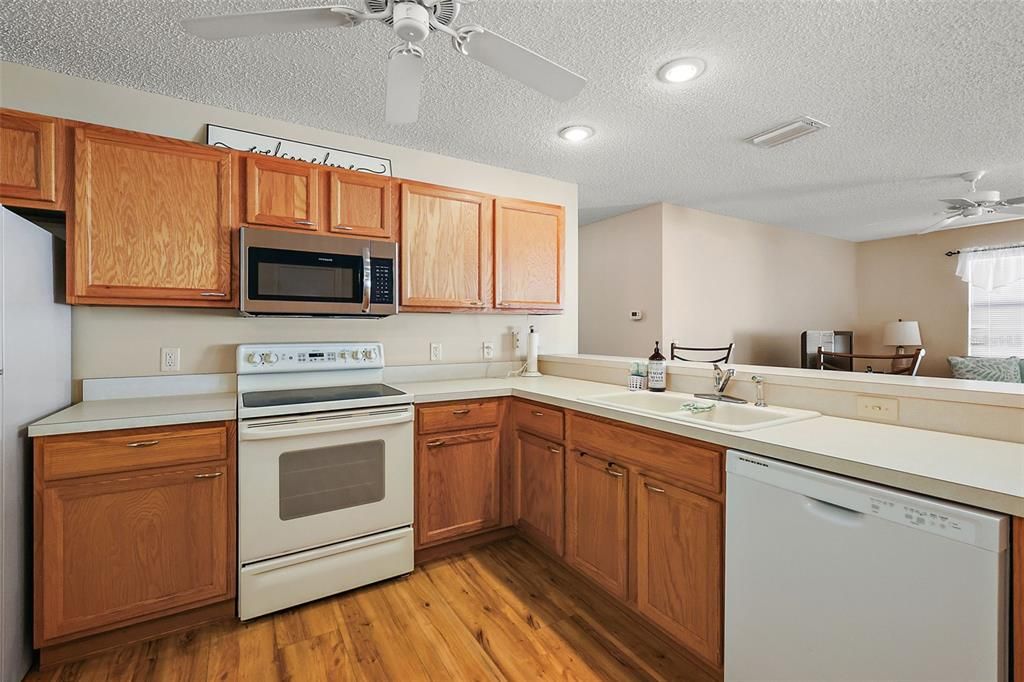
282,148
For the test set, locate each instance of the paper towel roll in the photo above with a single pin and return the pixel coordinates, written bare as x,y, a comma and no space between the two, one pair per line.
532,346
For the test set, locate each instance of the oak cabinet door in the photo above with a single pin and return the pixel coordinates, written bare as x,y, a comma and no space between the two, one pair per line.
459,485
28,157
597,521
540,490
360,204
151,221
679,564
123,547
281,193
447,237
529,255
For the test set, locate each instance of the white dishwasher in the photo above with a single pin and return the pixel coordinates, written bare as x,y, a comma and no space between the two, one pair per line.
830,578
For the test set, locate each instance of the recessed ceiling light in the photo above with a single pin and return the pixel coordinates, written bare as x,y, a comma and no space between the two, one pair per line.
681,70
576,133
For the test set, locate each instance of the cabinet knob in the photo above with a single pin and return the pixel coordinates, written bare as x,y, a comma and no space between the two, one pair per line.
215,474
552,448
535,413
460,412
304,222
434,443
653,489
612,472
143,443
342,227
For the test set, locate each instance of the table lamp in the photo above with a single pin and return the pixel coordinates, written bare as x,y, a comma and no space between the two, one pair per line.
900,334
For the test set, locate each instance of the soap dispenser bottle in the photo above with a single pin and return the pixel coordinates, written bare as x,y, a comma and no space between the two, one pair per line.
656,370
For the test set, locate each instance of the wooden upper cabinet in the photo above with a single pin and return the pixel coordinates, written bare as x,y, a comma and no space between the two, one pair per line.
529,255
540,490
151,221
459,485
447,238
281,193
30,170
360,204
679,564
597,521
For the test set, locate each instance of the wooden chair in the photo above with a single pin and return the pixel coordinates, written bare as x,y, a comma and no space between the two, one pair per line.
900,363
674,355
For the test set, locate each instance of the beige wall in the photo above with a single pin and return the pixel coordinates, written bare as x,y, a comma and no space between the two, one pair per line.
728,279
620,270
110,341
912,278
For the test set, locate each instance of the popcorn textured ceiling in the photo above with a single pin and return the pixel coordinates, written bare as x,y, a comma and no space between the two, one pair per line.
915,92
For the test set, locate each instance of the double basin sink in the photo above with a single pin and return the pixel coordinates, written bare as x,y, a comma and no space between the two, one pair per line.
684,407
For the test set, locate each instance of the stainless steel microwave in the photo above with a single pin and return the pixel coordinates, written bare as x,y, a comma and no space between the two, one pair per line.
312,275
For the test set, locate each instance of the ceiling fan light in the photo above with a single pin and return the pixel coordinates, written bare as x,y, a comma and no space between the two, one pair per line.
681,70
576,133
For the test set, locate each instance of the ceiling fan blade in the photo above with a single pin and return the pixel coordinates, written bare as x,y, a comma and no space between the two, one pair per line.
941,224
1016,201
959,203
272,21
1014,209
522,64
405,76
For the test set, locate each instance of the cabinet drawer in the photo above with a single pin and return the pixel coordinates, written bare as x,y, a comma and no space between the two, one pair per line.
104,452
463,415
683,461
539,419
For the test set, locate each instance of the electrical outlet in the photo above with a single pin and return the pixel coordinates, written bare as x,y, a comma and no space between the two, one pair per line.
488,350
435,352
517,341
878,409
170,359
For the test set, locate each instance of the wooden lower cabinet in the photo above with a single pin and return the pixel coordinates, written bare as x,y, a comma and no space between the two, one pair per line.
540,490
679,564
597,521
458,485
121,548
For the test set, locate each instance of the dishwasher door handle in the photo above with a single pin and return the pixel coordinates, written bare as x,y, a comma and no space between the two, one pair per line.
833,512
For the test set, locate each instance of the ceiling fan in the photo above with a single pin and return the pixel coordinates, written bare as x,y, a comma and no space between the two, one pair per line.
975,203
412,21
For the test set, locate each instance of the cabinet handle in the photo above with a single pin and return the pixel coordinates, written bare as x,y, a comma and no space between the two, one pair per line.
552,448
342,227
215,474
212,293
653,489
535,413
434,443
304,222
143,443
612,472
461,412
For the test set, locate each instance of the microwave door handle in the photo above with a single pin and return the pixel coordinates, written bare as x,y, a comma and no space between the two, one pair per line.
367,279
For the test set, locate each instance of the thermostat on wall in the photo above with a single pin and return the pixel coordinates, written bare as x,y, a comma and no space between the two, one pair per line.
636,315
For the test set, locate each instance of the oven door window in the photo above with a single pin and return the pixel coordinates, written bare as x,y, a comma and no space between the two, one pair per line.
283,275
323,480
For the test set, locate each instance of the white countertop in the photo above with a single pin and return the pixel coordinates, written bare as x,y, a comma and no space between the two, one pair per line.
976,471
134,413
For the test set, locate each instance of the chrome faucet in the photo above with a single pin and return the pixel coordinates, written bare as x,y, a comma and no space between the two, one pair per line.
722,379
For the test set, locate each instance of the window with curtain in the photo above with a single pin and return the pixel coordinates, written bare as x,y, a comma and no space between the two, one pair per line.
996,297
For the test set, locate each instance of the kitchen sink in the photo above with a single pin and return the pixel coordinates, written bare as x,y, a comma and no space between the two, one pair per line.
684,407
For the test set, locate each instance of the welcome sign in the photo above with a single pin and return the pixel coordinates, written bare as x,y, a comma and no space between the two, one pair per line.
282,148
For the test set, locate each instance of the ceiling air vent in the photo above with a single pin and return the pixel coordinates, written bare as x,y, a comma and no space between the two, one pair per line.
787,132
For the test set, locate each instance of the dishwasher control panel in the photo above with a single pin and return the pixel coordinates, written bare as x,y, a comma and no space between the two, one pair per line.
939,522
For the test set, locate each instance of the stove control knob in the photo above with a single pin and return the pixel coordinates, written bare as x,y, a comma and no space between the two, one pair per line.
254,358
270,358
367,354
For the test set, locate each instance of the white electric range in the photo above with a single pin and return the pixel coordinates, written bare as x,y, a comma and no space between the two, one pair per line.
325,473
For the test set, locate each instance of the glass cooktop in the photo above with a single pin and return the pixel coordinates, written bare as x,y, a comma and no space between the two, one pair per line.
325,394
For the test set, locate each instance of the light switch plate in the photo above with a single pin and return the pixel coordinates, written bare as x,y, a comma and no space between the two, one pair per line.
878,409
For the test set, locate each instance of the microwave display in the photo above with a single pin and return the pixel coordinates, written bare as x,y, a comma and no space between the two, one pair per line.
281,275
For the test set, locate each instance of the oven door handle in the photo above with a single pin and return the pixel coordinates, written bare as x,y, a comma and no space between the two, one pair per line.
367,279
287,428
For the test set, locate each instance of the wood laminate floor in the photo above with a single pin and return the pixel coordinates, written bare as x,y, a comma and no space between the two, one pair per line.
500,612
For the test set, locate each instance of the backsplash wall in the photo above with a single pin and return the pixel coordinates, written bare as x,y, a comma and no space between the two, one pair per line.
126,341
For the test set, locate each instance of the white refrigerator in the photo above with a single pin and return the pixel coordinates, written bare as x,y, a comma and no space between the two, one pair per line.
35,380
